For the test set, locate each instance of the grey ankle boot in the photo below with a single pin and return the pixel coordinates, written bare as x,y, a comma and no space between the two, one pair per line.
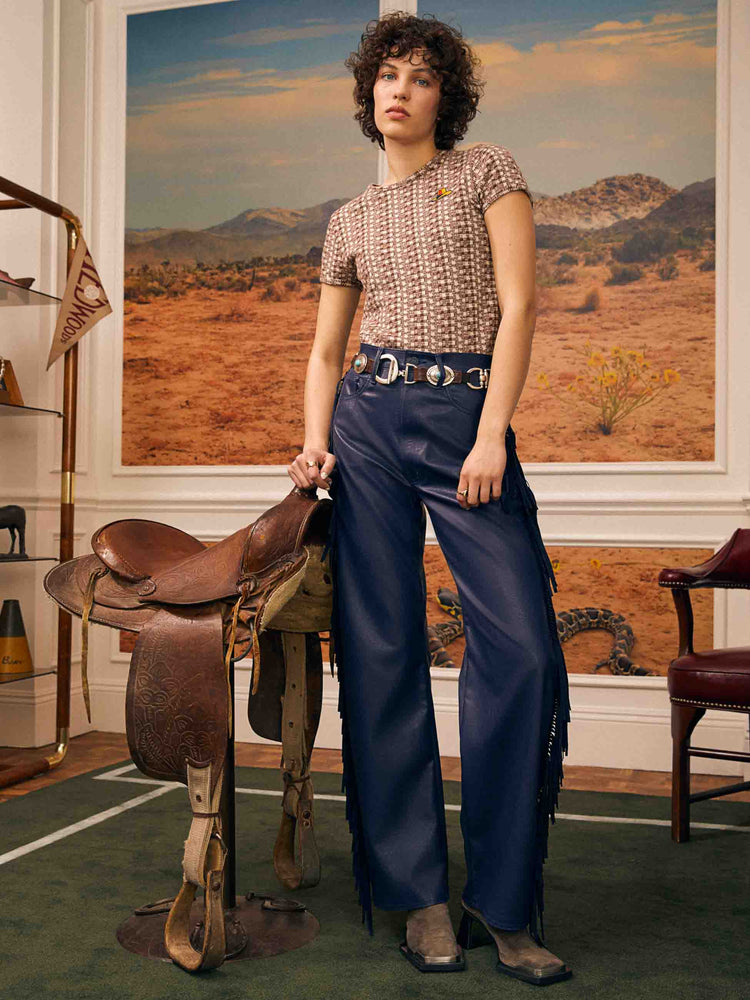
430,943
519,955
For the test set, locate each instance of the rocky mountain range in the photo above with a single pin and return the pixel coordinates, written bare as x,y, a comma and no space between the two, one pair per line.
619,203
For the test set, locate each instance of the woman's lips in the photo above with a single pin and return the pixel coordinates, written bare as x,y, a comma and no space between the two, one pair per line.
397,114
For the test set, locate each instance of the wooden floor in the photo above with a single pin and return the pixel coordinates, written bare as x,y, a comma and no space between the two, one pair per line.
93,750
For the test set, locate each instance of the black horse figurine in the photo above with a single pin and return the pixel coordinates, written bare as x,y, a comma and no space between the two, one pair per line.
13,518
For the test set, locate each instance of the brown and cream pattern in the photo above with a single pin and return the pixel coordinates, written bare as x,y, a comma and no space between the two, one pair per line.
420,250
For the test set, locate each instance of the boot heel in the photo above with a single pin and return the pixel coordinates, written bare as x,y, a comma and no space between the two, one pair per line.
472,933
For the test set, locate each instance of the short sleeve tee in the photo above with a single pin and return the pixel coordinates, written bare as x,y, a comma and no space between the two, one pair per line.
420,250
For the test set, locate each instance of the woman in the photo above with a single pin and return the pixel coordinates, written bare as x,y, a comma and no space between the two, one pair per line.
421,420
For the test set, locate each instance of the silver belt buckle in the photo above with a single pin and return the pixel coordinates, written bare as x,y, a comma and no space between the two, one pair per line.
484,376
392,370
433,374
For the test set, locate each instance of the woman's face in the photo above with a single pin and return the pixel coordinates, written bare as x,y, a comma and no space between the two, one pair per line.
409,83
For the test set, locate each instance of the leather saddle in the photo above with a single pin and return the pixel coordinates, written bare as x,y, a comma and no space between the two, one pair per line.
196,608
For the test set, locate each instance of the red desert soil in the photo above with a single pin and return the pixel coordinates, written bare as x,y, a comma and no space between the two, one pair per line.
216,377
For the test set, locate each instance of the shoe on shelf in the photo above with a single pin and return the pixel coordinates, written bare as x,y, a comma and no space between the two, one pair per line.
430,943
518,954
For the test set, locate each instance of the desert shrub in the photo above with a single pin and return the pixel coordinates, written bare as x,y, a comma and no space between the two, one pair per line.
594,257
274,294
645,245
667,269
624,274
592,302
708,263
550,274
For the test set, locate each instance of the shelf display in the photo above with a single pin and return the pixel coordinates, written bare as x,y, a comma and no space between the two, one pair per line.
84,303
18,293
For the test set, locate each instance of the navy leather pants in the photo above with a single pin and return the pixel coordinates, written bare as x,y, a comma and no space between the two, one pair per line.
399,449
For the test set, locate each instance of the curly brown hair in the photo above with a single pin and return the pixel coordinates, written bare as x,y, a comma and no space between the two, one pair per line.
443,48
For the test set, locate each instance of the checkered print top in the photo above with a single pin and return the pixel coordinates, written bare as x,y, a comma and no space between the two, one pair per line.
420,250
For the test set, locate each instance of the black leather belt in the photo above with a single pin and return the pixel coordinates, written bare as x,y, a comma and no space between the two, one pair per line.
362,364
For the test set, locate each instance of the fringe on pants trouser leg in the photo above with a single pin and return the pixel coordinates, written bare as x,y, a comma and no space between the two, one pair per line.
399,450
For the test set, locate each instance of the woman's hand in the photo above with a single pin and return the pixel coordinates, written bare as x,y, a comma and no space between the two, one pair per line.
312,467
482,472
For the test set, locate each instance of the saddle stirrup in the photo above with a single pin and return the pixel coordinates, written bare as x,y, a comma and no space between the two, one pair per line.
203,865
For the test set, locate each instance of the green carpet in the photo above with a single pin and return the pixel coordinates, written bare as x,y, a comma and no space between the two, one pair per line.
636,916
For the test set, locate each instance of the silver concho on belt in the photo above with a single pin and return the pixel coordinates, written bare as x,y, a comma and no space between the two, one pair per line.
359,362
433,374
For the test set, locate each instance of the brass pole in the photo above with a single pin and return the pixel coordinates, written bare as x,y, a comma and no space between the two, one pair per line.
67,520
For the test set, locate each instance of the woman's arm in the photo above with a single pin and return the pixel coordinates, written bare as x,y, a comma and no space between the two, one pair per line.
336,310
510,225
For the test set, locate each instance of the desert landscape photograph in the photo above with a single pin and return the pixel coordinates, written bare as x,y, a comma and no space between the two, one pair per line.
242,145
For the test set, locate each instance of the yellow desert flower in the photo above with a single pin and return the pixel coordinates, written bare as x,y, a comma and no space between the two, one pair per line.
596,563
542,379
618,382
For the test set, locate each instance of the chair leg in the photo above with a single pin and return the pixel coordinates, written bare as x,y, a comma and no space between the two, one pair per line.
684,720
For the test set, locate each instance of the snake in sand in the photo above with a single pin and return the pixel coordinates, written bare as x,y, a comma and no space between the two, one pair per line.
569,623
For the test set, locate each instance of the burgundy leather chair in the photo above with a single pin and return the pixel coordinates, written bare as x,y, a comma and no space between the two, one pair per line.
717,678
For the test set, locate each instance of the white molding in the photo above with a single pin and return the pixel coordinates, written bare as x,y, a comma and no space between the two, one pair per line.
600,730
720,507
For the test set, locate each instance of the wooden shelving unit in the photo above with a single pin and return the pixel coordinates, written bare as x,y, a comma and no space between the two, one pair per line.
19,197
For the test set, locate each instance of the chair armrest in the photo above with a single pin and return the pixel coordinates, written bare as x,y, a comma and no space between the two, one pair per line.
729,567
684,608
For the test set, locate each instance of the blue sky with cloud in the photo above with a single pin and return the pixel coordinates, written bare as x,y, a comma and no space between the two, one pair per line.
245,105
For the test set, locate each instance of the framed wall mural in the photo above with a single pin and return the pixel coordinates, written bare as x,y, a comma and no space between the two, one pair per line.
241,143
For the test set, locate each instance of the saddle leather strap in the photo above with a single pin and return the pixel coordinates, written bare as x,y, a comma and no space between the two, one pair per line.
230,649
202,865
88,603
296,837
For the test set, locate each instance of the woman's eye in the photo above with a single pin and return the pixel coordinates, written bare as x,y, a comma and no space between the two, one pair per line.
420,79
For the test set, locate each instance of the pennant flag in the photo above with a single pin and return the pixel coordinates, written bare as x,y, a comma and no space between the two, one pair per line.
84,303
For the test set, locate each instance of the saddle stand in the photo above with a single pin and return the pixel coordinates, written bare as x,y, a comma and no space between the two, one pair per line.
196,610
